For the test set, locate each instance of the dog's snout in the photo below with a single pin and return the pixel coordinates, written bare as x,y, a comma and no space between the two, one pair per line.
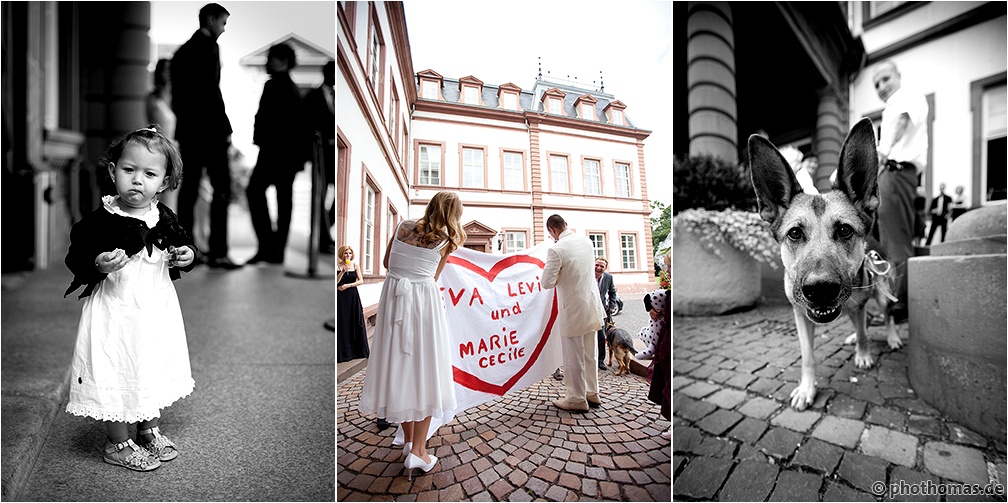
822,292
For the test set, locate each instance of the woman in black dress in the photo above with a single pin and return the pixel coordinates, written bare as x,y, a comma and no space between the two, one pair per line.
351,335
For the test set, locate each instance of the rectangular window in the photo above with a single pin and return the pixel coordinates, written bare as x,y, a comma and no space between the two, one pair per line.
514,178
369,208
558,174
598,243
587,112
628,250
622,179
471,96
592,179
393,124
510,101
554,106
430,90
515,242
472,167
390,224
374,64
430,165
994,128
617,117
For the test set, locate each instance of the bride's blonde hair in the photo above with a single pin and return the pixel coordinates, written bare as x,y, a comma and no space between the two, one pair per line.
444,211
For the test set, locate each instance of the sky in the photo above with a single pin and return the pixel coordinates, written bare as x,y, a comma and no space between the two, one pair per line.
630,42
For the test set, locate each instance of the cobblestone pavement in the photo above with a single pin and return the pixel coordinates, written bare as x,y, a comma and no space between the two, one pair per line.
736,438
516,448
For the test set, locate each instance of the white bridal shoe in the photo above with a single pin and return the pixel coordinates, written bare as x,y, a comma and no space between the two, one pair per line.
413,461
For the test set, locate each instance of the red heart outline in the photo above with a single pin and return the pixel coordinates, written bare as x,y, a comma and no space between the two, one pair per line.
475,383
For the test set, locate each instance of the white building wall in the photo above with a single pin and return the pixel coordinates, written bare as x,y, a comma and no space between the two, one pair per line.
362,118
945,67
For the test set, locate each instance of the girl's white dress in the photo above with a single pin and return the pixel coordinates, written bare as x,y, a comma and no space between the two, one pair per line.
131,359
409,372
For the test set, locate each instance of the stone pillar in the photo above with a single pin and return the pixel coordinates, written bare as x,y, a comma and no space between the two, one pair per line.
115,75
711,80
829,137
956,300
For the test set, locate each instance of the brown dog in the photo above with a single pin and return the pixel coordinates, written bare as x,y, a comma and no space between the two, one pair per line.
620,344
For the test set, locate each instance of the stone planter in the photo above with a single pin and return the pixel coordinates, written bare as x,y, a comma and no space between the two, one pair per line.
706,284
957,311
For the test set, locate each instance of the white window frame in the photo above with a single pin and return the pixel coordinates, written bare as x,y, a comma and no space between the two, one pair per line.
628,251
511,242
472,168
623,188
555,106
471,95
555,174
374,65
592,181
430,89
587,111
433,165
510,101
598,240
512,164
370,196
617,116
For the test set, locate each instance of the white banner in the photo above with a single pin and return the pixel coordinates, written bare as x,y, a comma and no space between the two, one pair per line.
501,323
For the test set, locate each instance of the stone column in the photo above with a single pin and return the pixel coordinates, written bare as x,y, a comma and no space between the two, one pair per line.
711,80
829,136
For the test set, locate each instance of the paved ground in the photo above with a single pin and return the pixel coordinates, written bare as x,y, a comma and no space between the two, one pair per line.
258,426
518,447
735,437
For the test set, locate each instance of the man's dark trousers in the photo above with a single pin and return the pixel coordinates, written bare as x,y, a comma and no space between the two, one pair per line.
195,156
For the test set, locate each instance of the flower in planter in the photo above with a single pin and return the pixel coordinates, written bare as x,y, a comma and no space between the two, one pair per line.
742,230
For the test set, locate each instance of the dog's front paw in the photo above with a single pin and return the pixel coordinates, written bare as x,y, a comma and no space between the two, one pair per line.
894,341
803,395
863,360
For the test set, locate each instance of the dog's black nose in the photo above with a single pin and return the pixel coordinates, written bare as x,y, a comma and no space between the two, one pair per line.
822,293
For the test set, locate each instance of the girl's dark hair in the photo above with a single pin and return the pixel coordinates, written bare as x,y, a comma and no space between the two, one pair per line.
152,139
160,79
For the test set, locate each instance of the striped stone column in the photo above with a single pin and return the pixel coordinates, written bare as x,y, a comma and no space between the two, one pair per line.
711,80
829,136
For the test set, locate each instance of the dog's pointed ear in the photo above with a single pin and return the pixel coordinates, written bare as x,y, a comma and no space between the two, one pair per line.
772,178
857,173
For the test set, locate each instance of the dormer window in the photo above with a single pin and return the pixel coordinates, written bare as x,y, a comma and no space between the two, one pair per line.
552,101
507,96
586,107
471,95
614,112
430,85
430,89
471,90
554,106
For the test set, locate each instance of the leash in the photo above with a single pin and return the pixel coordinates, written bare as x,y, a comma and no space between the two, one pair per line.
876,267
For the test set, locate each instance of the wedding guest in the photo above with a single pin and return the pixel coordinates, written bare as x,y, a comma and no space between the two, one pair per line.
409,375
320,108
569,269
159,112
920,219
660,370
958,203
351,334
941,207
607,294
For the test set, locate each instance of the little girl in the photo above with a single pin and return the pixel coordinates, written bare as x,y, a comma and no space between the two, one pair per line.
131,359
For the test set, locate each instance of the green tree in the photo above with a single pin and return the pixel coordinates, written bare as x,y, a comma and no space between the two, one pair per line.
660,225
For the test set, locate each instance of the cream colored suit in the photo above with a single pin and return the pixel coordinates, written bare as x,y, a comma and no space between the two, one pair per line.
570,267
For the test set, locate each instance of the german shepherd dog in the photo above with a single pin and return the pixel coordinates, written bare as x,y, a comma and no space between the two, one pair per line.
824,241
620,345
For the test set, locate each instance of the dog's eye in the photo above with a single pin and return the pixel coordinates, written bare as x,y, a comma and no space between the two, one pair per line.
845,231
795,233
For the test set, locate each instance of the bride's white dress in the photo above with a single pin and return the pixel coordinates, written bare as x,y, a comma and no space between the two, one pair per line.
409,372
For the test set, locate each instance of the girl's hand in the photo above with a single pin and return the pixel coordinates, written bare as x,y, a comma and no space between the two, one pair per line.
183,256
111,261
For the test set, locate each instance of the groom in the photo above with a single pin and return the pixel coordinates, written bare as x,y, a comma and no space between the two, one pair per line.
570,267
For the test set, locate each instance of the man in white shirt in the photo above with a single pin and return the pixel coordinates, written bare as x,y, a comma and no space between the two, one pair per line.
902,152
570,268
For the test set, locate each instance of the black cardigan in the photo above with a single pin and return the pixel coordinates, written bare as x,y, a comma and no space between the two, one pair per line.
101,231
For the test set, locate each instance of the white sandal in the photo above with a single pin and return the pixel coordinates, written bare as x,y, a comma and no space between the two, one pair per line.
160,447
139,460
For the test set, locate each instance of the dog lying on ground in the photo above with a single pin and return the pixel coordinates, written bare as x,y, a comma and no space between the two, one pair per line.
620,345
824,242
